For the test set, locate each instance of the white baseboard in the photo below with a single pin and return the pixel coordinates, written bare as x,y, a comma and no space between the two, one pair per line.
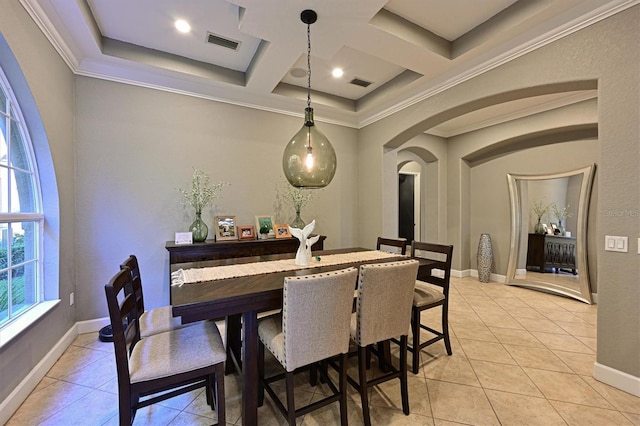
29,383
493,277
617,379
91,326
11,404
460,274
499,278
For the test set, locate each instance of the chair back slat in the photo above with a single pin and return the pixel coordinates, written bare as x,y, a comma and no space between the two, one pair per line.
122,308
385,297
439,257
399,244
315,316
131,262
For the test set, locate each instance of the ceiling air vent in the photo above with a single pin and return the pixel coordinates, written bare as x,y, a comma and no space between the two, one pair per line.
360,82
222,41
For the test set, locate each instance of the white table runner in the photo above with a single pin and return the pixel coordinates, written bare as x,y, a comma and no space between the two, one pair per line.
195,275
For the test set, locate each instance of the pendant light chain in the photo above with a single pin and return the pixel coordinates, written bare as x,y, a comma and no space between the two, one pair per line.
308,65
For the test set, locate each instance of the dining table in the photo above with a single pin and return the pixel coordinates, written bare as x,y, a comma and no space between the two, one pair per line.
240,299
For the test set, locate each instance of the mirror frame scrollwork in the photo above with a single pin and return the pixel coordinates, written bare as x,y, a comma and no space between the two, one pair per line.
514,180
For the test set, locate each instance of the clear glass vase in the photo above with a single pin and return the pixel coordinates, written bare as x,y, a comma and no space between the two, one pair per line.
199,229
539,229
297,222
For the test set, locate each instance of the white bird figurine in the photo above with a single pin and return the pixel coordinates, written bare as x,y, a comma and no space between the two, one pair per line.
303,255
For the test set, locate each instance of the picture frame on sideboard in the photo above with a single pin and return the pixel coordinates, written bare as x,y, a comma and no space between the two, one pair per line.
225,227
265,223
246,232
282,230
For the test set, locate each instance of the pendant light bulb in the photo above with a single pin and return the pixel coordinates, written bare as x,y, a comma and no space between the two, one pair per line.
309,160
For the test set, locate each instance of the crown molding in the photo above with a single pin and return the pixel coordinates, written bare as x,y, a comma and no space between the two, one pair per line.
536,43
41,19
95,67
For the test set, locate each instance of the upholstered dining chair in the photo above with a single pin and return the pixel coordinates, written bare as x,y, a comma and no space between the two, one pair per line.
432,290
398,244
313,327
383,312
390,245
162,365
153,321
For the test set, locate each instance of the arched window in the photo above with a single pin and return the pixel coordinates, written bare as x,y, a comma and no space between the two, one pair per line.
21,215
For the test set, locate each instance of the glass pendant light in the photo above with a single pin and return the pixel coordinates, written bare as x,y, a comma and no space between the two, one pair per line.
309,160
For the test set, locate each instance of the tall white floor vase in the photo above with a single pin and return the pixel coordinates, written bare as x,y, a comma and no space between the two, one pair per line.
485,258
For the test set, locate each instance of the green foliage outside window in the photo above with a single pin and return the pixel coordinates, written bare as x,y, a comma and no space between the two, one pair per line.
17,282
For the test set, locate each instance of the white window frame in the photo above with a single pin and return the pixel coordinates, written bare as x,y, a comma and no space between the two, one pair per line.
16,324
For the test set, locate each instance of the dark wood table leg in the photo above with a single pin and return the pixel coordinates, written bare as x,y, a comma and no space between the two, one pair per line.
250,368
234,342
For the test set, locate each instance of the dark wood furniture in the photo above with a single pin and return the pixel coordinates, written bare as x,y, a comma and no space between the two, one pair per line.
214,250
432,257
163,365
400,243
551,251
245,297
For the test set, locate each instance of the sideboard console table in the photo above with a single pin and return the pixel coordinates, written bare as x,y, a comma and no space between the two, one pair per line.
213,250
551,251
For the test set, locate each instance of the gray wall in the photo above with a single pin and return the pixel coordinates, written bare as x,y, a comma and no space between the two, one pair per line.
605,55
51,85
136,146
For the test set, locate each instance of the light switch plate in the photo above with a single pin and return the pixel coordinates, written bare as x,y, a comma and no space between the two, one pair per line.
615,243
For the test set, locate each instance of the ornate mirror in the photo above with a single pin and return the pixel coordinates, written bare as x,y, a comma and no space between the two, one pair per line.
550,258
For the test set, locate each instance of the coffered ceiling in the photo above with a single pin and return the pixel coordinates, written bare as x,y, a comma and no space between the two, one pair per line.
253,52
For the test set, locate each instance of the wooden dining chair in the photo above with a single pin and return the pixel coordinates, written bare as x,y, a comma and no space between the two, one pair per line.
432,290
162,365
313,327
383,312
397,244
153,321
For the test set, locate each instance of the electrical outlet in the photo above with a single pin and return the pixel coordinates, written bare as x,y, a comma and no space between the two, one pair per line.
71,299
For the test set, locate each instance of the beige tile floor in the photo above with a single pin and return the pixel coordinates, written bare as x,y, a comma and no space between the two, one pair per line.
520,357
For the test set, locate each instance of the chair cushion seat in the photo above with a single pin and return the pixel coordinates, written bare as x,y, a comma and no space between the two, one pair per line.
425,294
178,351
158,320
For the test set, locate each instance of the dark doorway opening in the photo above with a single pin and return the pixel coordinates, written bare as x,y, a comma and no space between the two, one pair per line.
406,206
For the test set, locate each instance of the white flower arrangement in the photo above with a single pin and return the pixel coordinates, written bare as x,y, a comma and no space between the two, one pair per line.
540,209
295,197
202,191
561,214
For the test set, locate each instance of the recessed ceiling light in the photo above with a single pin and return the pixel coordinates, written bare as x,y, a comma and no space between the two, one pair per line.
337,72
182,26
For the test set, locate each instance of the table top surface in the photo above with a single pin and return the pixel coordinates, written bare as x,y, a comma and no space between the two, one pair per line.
221,291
